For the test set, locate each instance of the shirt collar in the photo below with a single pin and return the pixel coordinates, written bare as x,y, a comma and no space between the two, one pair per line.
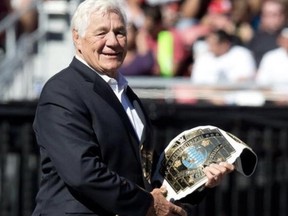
119,83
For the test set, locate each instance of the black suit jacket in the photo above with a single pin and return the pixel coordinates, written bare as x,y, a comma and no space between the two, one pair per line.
91,159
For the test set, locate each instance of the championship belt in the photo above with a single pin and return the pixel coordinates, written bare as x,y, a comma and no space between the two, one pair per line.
181,165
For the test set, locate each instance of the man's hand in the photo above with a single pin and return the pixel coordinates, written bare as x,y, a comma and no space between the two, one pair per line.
216,172
162,207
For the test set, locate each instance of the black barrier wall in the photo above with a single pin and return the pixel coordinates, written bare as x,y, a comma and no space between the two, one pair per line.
265,129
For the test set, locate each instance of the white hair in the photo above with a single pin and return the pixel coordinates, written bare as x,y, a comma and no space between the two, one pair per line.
81,17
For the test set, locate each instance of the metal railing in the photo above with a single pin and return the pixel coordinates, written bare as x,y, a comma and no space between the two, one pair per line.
22,53
18,50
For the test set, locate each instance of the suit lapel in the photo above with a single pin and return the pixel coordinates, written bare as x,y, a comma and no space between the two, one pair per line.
104,90
145,155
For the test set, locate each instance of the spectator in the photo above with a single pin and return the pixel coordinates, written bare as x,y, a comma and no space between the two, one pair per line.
28,21
217,18
5,9
191,12
249,11
190,23
134,11
223,63
273,69
243,15
272,20
166,43
139,60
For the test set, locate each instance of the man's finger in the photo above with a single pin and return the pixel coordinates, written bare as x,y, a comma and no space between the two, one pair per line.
164,191
178,210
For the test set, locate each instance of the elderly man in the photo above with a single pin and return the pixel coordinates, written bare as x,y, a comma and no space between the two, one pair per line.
93,134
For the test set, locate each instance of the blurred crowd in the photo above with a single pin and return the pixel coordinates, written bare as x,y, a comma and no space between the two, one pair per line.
210,41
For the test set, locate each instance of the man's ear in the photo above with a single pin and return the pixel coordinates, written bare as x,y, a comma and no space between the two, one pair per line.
76,38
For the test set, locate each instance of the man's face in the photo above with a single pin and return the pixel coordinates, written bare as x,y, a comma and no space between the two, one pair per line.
216,47
104,44
272,17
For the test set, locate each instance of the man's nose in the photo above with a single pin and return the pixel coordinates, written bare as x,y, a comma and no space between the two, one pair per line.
111,39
